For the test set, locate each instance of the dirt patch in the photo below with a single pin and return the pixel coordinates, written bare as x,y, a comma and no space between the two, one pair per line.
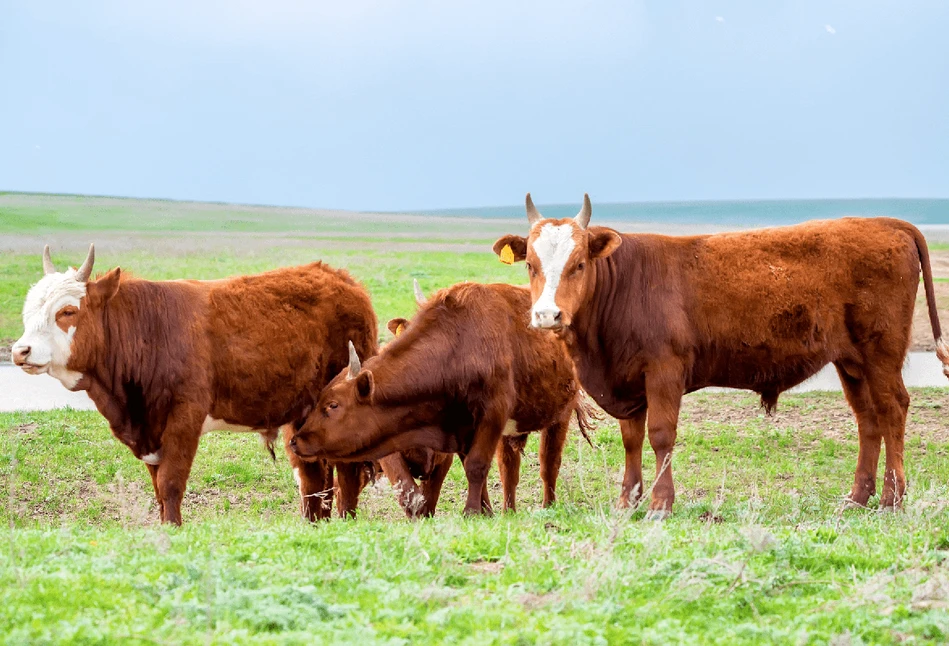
826,414
5,345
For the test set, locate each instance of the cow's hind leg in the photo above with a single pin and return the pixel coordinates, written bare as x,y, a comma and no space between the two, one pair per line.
153,472
664,390
891,403
509,453
633,431
857,391
552,440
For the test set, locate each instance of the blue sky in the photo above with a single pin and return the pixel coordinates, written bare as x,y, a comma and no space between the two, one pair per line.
403,104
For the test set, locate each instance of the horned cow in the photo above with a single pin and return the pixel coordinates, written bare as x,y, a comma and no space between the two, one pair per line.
466,370
165,362
648,318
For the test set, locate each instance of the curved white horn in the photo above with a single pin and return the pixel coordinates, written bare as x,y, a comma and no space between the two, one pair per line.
86,270
419,296
48,267
354,365
533,215
583,217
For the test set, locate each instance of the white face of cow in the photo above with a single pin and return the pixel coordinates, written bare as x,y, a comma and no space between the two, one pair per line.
560,256
49,321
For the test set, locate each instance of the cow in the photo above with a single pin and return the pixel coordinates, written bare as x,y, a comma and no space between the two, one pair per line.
165,362
431,468
466,371
647,318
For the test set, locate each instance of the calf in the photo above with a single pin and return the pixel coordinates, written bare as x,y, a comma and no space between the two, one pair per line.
165,362
647,318
467,370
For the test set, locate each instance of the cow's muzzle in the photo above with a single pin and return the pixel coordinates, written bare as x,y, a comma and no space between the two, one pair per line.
549,319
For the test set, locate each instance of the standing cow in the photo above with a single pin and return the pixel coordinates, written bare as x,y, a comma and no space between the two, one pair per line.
648,318
467,370
165,362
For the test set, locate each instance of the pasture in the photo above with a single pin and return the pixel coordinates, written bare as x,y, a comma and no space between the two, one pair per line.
758,549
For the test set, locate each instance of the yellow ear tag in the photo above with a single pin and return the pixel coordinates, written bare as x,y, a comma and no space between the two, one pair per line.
399,329
507,255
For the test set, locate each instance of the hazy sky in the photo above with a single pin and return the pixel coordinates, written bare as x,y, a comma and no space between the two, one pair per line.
402,104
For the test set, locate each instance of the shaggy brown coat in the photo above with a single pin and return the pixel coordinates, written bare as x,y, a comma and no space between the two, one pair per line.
466,365
648,317
160,359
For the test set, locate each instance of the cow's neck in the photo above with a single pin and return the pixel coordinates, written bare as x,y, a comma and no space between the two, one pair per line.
600,339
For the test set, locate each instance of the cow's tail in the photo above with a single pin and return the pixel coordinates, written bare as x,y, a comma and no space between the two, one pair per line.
587,414
942,348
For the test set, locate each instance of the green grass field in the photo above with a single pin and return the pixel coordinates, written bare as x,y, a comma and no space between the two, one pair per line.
759,549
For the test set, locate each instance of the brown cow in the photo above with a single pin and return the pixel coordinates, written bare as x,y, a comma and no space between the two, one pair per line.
466,371
431,467
648,317
165,362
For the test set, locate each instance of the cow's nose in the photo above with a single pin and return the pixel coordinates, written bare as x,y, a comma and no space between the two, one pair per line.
20,354
293,442
547,318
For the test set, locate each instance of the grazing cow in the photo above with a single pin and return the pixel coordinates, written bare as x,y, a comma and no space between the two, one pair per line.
467,370
431,467
648,318
165,362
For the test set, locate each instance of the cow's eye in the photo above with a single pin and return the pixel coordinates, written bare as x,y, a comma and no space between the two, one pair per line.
530,269
581,266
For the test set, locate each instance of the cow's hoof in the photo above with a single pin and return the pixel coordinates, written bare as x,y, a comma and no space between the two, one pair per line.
657,514
850,503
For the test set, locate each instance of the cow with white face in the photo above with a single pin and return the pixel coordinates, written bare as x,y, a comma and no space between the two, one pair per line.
559,255
649,317
49,321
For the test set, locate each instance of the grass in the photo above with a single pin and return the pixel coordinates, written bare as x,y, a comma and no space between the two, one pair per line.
758,549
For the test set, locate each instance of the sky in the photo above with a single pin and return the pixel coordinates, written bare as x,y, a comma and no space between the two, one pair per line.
411,104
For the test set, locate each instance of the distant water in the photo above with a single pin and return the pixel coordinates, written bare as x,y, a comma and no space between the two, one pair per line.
743,213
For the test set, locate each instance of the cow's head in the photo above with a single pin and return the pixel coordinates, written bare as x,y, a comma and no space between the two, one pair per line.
50,318
559,255
398,325
343,421
353,422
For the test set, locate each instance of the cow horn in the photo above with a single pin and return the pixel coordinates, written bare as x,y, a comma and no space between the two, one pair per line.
86,270
48,267
419,296
583,217
533,215
354,365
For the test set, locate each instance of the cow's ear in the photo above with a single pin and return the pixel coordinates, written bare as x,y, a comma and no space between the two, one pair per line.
106,286
603,242
365,384
397,326
511,249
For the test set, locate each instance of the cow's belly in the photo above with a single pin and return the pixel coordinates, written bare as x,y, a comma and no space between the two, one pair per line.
214,424
760,370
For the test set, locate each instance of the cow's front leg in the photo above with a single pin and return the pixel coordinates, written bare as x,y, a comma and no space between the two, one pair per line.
478,459
432,486
179,443
350,484
633,431
410,496
664,388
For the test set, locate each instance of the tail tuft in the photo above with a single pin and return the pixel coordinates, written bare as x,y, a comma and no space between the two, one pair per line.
942,353
587,414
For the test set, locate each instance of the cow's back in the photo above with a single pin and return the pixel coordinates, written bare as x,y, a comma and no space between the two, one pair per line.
541,368
766,309
277,338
